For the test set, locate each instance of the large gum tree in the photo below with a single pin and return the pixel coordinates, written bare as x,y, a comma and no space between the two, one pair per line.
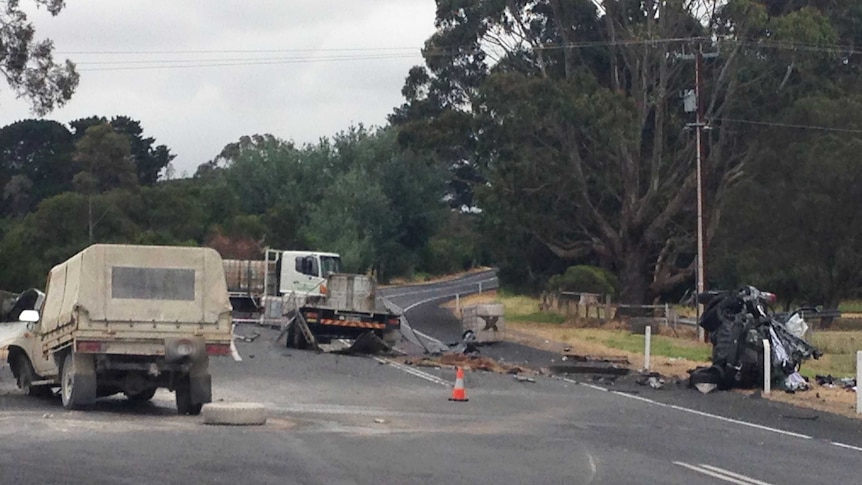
571,112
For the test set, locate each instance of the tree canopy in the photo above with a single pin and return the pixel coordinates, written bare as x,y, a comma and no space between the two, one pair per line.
572,116
28,65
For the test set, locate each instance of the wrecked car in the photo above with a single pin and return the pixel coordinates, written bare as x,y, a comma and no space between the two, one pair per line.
738,322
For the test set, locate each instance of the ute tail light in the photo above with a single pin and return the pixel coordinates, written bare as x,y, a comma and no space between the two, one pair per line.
218,349
88,347
393,321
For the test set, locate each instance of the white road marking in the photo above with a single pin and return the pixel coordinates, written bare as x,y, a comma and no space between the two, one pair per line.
414,372
593,468
734,475
714,416
721,474
694,411
849,447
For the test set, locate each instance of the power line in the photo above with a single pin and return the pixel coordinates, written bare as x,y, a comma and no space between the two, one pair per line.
384,53
238,51
789,125
196,63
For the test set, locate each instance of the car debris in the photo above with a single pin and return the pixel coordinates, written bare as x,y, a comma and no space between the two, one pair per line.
738,322
652,379
520,378
847,383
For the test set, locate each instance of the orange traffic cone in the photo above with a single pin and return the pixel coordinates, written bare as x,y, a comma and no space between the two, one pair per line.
458,392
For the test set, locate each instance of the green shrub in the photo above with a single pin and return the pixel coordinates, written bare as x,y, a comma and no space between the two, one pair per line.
587,279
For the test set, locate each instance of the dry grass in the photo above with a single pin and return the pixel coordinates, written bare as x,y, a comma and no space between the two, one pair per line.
614,340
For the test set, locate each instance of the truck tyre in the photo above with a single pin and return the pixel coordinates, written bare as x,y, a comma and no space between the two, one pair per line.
235,413
141,397
291,335
185,404
26,376
77,381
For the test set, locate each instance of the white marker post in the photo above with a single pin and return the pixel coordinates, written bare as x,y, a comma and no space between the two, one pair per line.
647,345
858,380
480,287
767,366
458,304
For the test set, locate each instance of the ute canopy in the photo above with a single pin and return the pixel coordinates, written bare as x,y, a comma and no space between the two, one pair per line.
124,283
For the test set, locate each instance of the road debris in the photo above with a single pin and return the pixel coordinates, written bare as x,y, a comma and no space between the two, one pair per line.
653,380
524,379
847,383
234,413
379,420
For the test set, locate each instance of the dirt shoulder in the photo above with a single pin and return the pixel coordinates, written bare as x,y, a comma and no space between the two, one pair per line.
559,338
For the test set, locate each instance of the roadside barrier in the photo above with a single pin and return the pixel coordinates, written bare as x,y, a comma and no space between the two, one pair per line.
459,394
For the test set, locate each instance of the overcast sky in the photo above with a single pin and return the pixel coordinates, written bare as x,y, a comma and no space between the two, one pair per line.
299,69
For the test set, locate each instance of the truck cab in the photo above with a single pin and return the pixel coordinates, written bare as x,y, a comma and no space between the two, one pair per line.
305,272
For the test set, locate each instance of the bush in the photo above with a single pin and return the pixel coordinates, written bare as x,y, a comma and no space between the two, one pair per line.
587,279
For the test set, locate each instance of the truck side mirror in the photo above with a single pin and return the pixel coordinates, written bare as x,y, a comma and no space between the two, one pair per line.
29,316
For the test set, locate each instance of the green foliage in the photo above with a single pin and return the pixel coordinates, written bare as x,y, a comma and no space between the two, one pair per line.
28,65
582,278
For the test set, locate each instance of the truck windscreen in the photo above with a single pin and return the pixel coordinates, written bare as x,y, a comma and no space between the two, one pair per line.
329,265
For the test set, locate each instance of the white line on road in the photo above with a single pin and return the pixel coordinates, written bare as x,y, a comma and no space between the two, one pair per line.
714,416
414,372
721,474
849,447
694,411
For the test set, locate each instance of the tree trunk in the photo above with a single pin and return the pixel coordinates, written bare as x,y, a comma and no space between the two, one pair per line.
633,280
90,216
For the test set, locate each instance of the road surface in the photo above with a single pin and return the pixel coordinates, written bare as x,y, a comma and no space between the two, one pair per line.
337,419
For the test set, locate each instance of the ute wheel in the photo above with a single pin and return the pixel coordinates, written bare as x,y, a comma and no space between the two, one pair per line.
26,376
183,391
235,413
141,397
76,389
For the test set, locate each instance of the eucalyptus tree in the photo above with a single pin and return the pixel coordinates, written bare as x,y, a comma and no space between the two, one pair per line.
570,112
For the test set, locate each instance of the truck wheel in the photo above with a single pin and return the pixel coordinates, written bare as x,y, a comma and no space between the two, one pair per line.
141,397
185,405
77,386
26,376
289,338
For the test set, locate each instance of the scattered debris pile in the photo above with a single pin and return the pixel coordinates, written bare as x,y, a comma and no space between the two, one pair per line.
470,362
738,322
846,383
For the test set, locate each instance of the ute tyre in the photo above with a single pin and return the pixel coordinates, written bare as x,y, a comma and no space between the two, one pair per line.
235,414
185,405
76,390
26,376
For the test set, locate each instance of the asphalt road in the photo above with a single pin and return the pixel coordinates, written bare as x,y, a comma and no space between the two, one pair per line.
342,419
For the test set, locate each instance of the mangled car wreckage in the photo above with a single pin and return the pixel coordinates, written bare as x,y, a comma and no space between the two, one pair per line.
738,322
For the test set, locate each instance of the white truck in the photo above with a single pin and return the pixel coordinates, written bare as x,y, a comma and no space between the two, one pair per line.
122,318
335,305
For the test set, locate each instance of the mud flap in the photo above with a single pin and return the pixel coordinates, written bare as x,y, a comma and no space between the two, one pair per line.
368,343
85,389
201,388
